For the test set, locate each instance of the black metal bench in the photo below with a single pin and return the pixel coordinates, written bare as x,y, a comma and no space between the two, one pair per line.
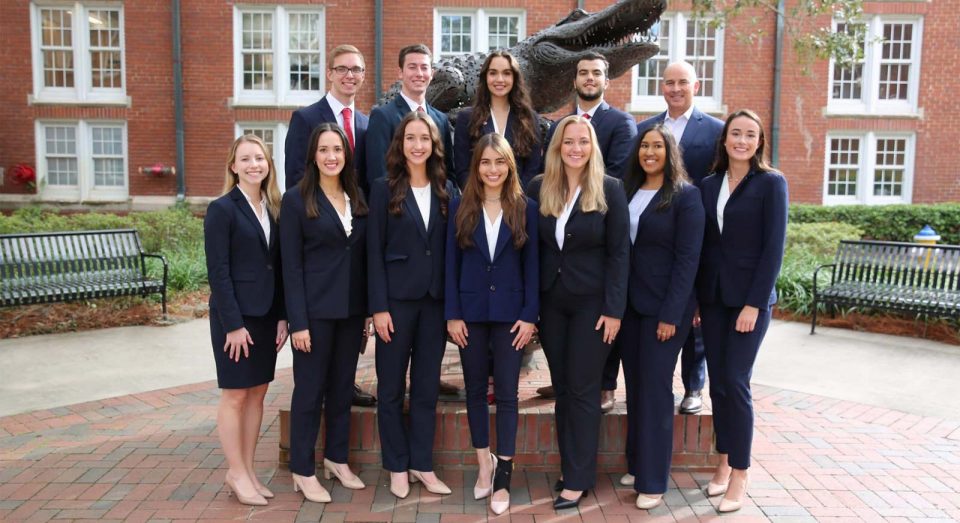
901,277
77,265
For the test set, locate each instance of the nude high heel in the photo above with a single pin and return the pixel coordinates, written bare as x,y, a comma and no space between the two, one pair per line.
255,500
312,490
436,488
330,470
479,492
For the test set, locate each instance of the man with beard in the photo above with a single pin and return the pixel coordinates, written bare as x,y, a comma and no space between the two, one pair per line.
616,131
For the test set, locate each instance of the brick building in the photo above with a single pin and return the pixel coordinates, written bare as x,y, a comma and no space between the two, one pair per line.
87,90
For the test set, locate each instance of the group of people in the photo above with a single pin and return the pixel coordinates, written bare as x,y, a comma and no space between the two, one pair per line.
615,242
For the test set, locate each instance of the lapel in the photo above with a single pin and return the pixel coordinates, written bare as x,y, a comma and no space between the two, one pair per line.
401,106
480,236
511,121
245,210
502,238
434,212
330,211
741,187
361,120
410,202
692,130
650,209
326,112
599,114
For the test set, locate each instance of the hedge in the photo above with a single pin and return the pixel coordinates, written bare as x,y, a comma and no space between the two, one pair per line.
887,222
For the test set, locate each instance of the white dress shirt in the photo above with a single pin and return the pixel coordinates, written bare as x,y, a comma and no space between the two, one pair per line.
637,205
722,200
262,215
422,196
492,228
677,126
413,103
345,219
564,216
497,128
581,112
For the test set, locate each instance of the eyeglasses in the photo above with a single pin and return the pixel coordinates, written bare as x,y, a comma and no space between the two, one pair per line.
342,70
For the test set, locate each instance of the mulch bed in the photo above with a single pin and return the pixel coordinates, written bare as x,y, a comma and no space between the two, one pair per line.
934,329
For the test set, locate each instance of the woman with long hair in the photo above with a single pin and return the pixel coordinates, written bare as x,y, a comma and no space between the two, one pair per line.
666,230
745,201
502,105
247,320
584,259
323,236
405,248
492,302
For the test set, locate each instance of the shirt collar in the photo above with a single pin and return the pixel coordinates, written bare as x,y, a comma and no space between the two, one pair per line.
263,198
686,115
335,104
412,103
591,112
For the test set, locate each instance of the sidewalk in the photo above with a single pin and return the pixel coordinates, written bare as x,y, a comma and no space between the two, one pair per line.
843,433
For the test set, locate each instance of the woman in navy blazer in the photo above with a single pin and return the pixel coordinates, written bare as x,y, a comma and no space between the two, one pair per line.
405,242
247,320
502,106
745,202
666,229
584,259
492,302
323,226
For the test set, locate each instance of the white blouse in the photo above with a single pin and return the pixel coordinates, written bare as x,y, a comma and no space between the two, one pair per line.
262,216
637,205
722,200
564,216
346,219
422,196
492,228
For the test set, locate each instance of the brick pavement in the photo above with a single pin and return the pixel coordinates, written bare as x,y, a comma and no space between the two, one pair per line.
155,457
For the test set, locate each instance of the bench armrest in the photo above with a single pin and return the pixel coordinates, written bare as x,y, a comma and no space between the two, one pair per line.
817,272
166,266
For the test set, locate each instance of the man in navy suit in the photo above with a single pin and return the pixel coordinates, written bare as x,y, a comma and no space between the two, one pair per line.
616,131
697,135
416,72
345,76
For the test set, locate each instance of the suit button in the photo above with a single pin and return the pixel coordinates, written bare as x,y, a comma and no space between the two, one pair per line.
488,268
569,235
493,287
348,247
269,267
558,270
428,252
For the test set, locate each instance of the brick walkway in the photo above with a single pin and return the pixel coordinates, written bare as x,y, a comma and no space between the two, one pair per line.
155,457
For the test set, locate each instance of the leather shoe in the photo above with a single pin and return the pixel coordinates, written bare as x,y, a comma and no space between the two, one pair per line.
448,388
563,503
547,392
607,401
558,486
362,399
627,480
692,402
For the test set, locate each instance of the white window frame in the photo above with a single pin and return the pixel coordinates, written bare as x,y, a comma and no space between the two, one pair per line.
869,103
85,190
279,140
82,91
676,51
867,168
480,37
281,95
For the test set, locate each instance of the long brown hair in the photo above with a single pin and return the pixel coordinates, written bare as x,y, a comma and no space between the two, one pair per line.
674,173
348,175
526,136
398,179
553,191
268,185
722,160
512,200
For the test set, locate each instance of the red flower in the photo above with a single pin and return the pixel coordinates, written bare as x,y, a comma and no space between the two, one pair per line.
23,174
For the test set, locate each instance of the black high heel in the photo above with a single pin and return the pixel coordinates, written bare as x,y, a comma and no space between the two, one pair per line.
501,480
562,503
558,486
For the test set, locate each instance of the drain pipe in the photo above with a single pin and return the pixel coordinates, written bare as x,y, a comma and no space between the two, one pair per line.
178,102
777,80
377,50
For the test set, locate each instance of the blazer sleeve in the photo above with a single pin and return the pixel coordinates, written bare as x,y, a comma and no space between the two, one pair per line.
688,238
295,149
529,255
617,260
454,259
448,150
376,240
291,255
462,147
621,142
533,164
774,236
376,142
217,229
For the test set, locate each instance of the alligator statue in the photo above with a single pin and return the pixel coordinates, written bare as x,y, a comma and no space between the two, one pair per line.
549,58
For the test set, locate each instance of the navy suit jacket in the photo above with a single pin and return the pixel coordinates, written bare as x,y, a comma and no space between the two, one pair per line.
698,144
665,256
740,266
595,258
384,120
527,167
302,123
243,267
405,259
615,133
503,289
324,270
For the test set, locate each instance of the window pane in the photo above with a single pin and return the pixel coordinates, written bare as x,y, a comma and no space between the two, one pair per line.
60,143
105,53
456,34
264,133
843,167
56,46
305,47
895,61
701,51
891,164
650,72
848,81
257,42
504,31
108,160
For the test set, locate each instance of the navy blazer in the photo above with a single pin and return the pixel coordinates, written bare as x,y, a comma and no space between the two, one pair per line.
243,267
405,259
665,256
324,270
527,167
302,123
596,249
384,120
615,133
740,266
698,145
505,288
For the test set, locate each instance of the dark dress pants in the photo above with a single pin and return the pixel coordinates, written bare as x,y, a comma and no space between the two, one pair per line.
730,357
490,344
611,368
576,355
418,341
648,366
323,378
693,361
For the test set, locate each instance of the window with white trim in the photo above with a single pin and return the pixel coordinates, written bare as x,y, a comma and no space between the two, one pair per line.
886,80
869,168
278,55
78,53
681,37
82,160
274,134
465,31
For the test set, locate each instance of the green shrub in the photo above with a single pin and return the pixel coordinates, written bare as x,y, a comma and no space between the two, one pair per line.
808,245
887,222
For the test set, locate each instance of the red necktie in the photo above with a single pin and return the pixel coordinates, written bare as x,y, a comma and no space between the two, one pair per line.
420,109
586,115
347,128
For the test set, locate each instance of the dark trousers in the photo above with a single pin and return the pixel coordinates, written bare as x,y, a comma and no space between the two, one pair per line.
575,354
693,360
323,381
418,341
611,368
489,343
730,357
648,366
